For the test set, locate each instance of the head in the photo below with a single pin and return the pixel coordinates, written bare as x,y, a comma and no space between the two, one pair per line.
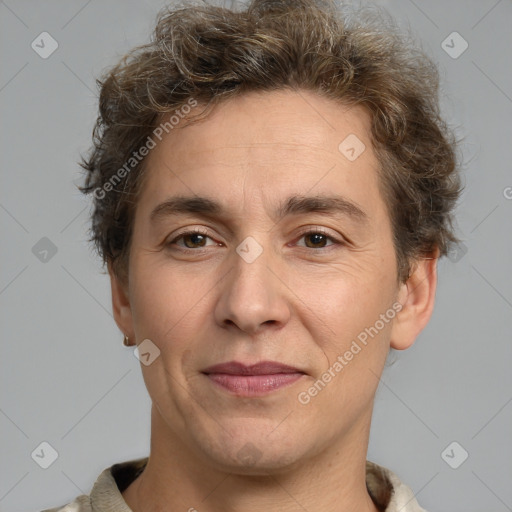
306,153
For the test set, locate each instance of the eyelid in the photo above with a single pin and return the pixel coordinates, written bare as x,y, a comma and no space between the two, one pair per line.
189,231
337,240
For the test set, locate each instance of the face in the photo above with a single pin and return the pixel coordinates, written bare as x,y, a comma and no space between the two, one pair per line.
276,261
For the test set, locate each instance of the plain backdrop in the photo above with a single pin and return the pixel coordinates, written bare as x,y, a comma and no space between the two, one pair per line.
66,378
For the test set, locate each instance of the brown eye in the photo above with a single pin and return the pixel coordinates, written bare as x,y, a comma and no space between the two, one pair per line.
318,240
196,239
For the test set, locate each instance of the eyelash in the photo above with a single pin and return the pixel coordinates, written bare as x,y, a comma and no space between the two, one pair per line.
317,231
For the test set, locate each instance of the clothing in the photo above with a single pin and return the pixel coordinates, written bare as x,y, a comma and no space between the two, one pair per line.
386,490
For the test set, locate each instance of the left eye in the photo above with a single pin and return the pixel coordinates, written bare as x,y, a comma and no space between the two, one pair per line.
318,237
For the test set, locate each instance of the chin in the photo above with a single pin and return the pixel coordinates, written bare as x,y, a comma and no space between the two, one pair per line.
252,451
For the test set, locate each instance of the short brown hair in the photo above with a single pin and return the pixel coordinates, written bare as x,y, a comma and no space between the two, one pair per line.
211,54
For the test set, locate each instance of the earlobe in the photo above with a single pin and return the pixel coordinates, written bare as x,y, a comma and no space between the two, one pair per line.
417,296
121,307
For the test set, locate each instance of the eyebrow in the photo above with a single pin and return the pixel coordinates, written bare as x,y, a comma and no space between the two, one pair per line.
294,205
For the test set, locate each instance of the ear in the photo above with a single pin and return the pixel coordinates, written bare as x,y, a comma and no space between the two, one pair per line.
121,303
417,296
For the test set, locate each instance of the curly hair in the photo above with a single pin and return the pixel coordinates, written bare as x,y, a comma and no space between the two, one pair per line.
208,54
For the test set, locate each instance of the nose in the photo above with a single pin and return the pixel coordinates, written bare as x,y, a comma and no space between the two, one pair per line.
253,295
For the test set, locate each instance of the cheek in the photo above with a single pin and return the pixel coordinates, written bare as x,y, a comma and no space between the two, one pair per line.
169,308
157,299
349,300
355,353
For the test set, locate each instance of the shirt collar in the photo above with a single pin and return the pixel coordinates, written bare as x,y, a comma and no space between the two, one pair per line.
384,487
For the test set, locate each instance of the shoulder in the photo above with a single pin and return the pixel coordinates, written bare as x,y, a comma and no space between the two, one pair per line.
389,491
106,491
80,504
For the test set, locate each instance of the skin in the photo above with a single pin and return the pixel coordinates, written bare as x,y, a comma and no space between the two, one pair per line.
301,302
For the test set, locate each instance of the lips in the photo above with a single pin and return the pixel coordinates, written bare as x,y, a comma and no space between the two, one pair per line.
263,368
253,380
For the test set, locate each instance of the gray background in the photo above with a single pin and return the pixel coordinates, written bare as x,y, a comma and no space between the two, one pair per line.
66,377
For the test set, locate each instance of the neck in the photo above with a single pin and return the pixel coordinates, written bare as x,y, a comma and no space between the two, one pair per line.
175,479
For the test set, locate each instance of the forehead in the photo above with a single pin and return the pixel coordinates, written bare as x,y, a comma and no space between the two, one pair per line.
267,122
278,142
